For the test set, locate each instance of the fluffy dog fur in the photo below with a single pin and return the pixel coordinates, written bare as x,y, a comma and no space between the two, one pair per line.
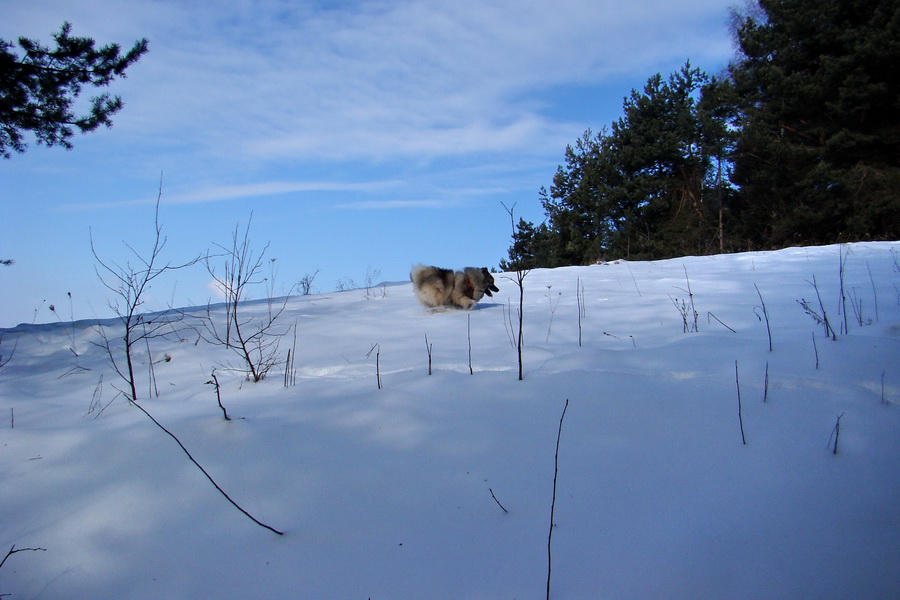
459,289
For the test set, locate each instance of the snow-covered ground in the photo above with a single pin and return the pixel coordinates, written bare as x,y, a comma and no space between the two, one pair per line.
387,493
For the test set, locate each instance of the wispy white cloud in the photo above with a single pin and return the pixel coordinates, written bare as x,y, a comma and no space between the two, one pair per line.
275,80
272,188
263,80
224,193
395,204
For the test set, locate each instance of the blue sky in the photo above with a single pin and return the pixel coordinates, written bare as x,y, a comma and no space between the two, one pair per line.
363,137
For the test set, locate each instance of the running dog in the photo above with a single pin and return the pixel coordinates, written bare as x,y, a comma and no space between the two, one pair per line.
437,287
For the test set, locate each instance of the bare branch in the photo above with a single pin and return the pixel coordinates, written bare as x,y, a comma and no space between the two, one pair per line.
15,550
202,470
128,285
520,282
5,358
553,502
254,340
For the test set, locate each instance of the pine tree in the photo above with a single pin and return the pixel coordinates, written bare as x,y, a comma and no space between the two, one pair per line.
672,142
819,155
577,205
39,86
531,248
654,186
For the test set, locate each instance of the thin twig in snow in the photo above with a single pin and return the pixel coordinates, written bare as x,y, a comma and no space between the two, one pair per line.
740,411
765,314
709,314
835,433
497,501
202,470
553,502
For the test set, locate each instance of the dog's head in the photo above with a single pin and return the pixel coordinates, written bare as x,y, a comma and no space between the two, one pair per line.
488,282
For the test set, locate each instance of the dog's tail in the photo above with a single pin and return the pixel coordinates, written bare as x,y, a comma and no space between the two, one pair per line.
416,274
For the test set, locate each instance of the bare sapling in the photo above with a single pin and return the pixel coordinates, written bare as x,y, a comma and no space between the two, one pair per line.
553,306
287,368
428,349
815,350
635,280
128,283
254,339
765,312
290,370
345,285
686,309
376,348
293,376
874,291
508,323
151,371
378,365
579,300
37,311
856,303
521,272
305,284
836,433
842,264
371,277
737,383
215,383
469,339
553,500
70,332
96,405
766,384
820,316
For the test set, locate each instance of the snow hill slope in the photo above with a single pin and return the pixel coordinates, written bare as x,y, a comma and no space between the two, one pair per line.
387,493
